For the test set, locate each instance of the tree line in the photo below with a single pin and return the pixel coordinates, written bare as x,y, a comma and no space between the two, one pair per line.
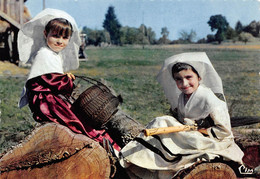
114,33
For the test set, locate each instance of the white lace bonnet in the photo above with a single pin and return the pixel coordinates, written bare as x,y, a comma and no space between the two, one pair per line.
201,63
31,38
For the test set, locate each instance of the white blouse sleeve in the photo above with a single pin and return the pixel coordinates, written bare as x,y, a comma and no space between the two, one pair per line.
222,126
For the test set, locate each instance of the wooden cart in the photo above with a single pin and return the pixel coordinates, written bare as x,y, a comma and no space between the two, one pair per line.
13,14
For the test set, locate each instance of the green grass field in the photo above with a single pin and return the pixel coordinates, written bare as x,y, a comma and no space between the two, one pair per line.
131,72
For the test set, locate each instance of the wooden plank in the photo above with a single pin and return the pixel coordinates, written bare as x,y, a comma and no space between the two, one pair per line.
6,8
21,9
13,9
1,5
10,20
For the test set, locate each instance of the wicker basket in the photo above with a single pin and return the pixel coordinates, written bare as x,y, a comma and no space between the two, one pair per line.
96,105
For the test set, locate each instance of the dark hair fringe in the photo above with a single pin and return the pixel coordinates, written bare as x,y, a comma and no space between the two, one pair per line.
182,66
61,26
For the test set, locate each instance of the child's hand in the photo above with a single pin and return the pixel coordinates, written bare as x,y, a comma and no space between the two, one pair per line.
71,76
189,122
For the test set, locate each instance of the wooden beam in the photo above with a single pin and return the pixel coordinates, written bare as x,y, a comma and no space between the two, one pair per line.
1,5
244,120
10,20
21,9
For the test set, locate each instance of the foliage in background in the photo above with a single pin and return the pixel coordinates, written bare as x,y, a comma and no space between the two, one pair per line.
219,23
187,37
114,33
112,25
131,71
142,35
245,37
164,39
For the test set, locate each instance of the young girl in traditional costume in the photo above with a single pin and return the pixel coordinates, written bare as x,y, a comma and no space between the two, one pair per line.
191,85
50,41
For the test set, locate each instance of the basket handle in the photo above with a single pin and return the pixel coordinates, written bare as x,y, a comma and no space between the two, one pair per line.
90,80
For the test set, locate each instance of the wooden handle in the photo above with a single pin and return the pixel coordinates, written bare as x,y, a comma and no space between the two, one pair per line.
166,130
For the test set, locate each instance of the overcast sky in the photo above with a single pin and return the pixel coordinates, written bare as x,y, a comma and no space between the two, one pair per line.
176,15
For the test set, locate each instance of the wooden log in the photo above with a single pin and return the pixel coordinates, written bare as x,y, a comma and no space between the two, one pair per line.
206,171
54,151
122,128
252,156
244,120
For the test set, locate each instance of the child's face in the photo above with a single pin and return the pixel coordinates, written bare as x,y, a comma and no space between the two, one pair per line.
187,81
56,42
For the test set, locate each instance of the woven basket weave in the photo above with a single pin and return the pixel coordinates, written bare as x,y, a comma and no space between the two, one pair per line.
96,105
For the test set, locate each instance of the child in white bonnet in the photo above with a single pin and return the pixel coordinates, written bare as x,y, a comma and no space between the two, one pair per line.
190,83
50,41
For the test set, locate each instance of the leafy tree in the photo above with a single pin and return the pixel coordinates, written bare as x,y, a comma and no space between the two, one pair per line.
148,34
112,25
141,35
245,37
164,39
220,36
86,31
239,27
165,32
188,37
231,33
210,38
129,35
253,28
219,23
184,35
151,35
123,32
96,37
202,41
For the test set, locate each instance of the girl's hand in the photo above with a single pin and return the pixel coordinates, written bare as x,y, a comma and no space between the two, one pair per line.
189,122
71,76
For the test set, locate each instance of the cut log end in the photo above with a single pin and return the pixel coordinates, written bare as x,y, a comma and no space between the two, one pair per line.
54,151
207,170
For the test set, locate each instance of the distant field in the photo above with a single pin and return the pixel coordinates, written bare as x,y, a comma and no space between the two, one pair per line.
131,72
